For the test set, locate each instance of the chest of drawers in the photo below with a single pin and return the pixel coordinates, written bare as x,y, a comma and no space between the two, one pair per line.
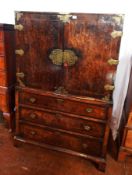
7,73
65,70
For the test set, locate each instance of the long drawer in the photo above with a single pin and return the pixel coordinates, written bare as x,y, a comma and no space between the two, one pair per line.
6,99
55,138
128,140
60,104
1,36
63,121
2,48
3,78
2,63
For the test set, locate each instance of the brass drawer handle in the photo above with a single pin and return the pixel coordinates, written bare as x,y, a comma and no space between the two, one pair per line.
59,100
89,110
33,133
33,116
32,100
85,145
87,128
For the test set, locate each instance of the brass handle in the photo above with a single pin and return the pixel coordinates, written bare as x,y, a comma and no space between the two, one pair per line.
85,145
19,52
18,27
33,116
32,100
20,74
87,128
112,61
59,100
89,110
109,87
33,133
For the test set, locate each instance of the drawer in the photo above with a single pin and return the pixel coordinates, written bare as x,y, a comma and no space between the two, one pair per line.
2,63
55,138
7,99
4,102
1,36
63,121
3,78
129,123
128,140
65,105
1,48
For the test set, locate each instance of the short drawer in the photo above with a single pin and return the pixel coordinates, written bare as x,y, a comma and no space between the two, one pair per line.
3,78
63,140
2,52
1,36
128,140
64,121
2,63
65,105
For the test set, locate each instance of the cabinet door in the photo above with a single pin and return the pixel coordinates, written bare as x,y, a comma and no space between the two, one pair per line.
95,40
38,35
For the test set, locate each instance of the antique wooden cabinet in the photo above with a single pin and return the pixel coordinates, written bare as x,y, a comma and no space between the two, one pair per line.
65,72
7,73
126,145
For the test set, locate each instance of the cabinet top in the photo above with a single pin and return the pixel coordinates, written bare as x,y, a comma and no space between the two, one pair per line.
6,26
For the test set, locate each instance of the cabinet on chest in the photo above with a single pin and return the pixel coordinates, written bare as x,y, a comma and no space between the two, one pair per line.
65,72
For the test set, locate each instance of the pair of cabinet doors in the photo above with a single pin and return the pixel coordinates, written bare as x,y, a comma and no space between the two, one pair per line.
68,53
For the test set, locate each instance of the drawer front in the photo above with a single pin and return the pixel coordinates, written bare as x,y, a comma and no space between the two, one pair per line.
1,35
128,140
130,119
63,121
54,138
65,105
4,102
2,63
1,48
3,78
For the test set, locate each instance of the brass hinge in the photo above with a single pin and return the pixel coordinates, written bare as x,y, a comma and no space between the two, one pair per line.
20,75
19,27
64,17
116,34
106,97
109,87
19,52
112,61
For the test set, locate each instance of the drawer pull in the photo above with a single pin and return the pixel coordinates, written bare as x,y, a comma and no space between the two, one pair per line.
33,116
85,145
33,133
87,128
60,100
89,110
32,100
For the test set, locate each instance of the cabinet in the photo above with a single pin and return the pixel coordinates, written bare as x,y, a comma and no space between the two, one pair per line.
126,145
65,71
7,73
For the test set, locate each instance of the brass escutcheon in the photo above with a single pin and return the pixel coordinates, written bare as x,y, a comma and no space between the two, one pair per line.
89,110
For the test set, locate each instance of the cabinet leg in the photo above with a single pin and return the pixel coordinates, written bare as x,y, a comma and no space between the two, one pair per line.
102,166
16,143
